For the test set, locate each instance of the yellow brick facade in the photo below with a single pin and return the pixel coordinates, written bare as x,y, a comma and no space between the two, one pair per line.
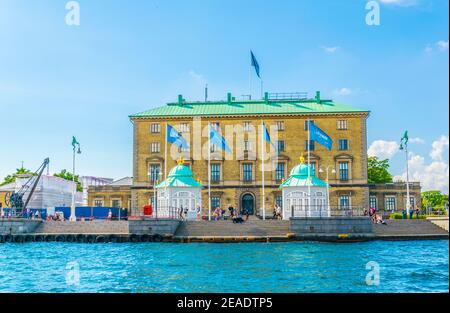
231,187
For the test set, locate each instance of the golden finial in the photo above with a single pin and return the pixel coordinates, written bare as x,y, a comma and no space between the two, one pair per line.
180,161
302,159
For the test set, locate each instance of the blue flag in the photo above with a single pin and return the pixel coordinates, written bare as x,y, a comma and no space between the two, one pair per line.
216,139
266,136
175,137
255,63
318,135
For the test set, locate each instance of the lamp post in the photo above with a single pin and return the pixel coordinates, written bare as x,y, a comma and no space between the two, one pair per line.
76,150
333,171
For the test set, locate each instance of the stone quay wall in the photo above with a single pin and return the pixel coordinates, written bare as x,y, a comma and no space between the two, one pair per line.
331,225
149,226
18,226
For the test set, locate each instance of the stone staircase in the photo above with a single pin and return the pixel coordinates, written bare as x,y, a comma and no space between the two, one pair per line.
252,227
441,222
87,227
409,228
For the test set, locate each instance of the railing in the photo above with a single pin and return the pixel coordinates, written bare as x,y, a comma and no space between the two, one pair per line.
163,212
288,96
323,211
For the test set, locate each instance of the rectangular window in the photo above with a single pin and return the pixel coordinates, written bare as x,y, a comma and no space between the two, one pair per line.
215,202
184,128
281,145
216,126
373,202
306,126
155,147
312,145
344,202
343,171
280,125
390,203
154,172
247,170
343,144
279,200
115,203
412,201
183,149
280,171
247,126
155,128
98,202
215,173
342,124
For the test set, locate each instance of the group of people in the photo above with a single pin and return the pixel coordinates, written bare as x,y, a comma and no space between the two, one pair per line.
277,212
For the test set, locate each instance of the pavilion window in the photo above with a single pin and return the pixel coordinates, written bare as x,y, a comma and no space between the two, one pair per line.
343,171
247,172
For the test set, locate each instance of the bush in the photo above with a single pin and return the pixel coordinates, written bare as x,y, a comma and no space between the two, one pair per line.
399,216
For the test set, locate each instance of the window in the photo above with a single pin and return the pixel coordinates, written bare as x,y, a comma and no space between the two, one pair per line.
412,201
313,168
247,170
344,202
183,149
373,202
342,124
184,128
281,145
247,126
279,200
247,145
155,128
153,173
343,144
280,125
215,202
343,171
390,203
155,147
306,124
98,202
312,145
216,126
215,173
115,203
280,171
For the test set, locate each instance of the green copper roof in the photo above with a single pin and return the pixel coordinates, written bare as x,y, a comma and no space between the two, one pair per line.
247,108
299,178
179,176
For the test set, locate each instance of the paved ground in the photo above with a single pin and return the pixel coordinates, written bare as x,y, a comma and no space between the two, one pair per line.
92,227
442,222
409,229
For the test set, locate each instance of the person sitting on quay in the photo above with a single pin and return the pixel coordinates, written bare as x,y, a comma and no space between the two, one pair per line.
379,219
231,210
238,219
372,214
278,214
217,214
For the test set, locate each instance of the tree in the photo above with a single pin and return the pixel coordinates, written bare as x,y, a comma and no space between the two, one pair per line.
12,177
378,171
435,198
64,174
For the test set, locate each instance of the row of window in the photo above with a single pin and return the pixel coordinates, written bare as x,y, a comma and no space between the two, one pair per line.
155,147
155,175
390,202
155,128
115,203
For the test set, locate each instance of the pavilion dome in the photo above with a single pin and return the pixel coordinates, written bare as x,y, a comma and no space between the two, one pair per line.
180,171
301,170
180,176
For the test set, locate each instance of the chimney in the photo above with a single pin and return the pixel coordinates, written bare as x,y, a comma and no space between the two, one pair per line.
180,100
317,96
229,98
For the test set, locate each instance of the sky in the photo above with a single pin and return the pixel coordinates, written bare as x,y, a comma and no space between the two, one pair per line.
59,80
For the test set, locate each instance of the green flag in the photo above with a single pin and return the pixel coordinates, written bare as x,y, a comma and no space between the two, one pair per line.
404,141
76,144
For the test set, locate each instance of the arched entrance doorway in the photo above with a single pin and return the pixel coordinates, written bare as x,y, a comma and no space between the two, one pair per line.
248,204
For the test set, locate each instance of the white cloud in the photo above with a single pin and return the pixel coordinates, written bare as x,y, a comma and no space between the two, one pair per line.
330,49
383,149
442,45
432,176
438,148
416,140
343,91
195,75
403,3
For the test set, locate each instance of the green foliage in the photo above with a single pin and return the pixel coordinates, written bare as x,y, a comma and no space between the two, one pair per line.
435,198
12,177
399,216
64,174
378,171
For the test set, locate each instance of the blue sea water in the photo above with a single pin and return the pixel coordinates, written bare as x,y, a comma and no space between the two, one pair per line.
404,266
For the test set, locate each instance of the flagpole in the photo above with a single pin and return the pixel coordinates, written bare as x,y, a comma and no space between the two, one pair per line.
261,88
209,172
250,81
165,175
309,166
73,217
263,172
408,204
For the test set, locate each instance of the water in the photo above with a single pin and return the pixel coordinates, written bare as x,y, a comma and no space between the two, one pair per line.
405,266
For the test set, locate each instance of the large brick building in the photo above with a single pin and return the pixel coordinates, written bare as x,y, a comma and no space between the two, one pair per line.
237,176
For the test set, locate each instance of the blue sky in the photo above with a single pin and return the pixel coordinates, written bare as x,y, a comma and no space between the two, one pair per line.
127,56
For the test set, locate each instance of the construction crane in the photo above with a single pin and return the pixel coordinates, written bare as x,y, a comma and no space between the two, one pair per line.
15,199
